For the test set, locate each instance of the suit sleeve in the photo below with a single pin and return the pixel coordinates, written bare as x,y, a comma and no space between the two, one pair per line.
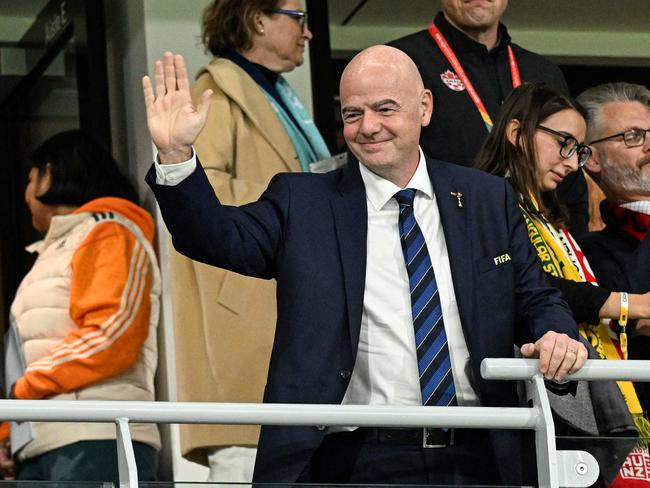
110,304
243,239
539,305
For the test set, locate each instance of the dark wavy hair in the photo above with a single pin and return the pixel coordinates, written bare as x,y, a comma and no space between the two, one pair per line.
530,104
81,170
228,24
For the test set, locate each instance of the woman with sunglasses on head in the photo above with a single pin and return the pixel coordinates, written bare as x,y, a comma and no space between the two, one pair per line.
536,142
256,128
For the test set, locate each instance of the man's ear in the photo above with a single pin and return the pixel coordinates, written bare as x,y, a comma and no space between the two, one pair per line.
512,132
593,166
426,105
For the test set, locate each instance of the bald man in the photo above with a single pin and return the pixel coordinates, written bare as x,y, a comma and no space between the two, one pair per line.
396,277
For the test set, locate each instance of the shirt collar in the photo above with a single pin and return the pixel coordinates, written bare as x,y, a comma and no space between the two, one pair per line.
461,42
641,206
380,191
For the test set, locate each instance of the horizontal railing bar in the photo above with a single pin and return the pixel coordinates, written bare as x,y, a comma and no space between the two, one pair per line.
269,414
593,370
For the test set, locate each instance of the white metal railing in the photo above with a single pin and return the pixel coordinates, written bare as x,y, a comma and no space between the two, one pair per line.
555,468
523,369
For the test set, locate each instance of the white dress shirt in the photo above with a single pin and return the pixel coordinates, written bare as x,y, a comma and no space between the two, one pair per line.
386,371
173,174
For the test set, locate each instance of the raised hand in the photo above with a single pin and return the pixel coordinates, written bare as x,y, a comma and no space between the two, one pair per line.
174,122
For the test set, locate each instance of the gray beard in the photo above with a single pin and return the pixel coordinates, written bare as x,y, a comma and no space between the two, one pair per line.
621,176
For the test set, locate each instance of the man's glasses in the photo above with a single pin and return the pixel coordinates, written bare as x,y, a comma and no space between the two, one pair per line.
569,146
632,137
299,16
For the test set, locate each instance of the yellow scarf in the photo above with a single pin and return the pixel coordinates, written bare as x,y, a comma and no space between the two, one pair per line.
559,259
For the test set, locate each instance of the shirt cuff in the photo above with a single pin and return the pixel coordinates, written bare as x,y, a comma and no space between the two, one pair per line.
173,174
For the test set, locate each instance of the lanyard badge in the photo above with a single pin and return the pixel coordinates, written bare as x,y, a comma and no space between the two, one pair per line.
464,79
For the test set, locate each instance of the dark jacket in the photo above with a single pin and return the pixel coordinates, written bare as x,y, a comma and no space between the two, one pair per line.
309,232
584,299
457,131
622,263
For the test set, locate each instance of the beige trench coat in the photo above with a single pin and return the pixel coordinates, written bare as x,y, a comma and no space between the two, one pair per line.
224,322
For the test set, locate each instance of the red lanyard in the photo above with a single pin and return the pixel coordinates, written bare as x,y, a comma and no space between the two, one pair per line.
460,72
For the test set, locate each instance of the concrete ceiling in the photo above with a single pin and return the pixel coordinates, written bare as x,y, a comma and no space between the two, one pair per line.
563,15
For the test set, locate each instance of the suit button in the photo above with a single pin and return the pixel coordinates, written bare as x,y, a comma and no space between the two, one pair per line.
345,373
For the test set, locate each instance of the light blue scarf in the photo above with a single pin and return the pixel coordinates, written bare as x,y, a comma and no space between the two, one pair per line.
307,141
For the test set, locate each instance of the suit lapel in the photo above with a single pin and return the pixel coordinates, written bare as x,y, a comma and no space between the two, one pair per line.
456,228
351,220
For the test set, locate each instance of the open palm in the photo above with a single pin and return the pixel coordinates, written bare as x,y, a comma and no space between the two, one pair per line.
173,120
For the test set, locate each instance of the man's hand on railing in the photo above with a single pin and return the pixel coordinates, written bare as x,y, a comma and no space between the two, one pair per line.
7,464
558,355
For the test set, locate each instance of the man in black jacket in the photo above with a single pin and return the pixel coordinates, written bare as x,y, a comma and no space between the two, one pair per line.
381,326
618,121
466,58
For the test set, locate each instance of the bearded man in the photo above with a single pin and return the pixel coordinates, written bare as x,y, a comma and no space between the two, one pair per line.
618,121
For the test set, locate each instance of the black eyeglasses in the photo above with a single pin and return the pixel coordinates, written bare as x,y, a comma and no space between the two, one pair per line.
299,16
569,146
632,137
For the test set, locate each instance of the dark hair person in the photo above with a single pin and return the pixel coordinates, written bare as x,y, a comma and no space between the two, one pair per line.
85,315
73,181
537,140
510,147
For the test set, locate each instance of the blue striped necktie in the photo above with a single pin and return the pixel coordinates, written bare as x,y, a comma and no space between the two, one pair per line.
434,364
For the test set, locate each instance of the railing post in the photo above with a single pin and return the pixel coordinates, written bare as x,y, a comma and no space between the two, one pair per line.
545,451
556,468
128,470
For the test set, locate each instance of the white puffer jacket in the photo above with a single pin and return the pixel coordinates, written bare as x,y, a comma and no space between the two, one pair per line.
86,315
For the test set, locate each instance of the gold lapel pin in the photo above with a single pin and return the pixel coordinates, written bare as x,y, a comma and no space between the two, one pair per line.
459,197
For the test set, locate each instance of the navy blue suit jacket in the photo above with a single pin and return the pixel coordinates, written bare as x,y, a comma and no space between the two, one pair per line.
308,231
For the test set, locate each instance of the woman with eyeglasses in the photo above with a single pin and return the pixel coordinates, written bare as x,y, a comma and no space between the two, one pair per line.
256,128
536,142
